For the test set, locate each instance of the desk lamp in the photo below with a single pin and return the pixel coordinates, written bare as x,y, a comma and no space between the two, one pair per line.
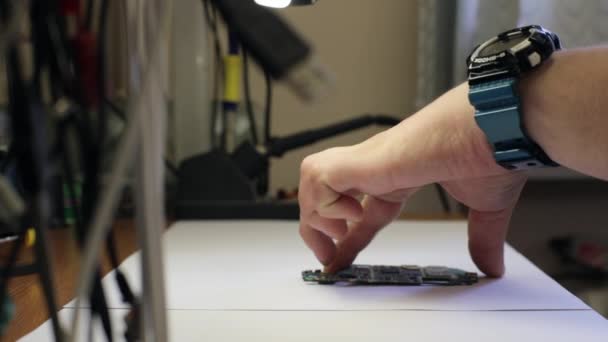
232,184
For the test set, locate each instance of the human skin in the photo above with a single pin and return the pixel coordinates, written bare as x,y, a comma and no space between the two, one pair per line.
347,194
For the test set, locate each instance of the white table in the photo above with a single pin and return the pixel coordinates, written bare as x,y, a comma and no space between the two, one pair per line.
240,280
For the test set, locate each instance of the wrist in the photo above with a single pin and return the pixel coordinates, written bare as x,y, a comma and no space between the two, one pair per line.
539,118
564,109
441,142
477,151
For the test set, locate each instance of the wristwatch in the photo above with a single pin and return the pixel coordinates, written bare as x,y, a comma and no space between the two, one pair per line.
494,70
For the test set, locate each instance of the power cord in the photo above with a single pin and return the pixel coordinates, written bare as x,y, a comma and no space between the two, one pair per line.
268,108
443,199
248,104
28,123
212,21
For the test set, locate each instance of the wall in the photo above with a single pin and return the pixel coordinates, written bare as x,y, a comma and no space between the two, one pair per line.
370,45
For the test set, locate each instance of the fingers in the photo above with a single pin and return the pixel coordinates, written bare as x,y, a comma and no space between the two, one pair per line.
344,207
319,228
377,214
324,212
350,247
321,245
487,234
333,228
328,204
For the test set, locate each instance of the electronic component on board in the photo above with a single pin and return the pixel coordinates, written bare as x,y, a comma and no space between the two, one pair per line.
393,275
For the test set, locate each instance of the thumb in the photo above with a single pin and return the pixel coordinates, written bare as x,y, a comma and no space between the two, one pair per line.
487,234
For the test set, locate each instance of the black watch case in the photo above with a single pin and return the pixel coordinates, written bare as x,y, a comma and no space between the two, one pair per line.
511,53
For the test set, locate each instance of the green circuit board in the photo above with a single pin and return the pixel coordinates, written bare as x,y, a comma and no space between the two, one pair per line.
393,275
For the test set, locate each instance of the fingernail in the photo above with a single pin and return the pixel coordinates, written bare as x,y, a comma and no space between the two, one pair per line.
324,261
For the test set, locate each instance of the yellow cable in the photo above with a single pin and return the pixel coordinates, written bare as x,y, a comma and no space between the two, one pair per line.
232,78
30,237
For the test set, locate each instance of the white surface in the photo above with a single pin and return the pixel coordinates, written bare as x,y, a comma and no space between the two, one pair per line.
237,281
256,265
427,326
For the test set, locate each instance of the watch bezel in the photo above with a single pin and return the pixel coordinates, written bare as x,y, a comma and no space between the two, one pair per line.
526,55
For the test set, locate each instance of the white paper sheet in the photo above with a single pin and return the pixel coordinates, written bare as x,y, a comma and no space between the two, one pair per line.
427,326
256,265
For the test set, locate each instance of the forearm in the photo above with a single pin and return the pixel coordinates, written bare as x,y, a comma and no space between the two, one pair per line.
565,106
565,109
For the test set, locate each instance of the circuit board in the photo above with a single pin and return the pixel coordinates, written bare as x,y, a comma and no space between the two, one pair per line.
393,275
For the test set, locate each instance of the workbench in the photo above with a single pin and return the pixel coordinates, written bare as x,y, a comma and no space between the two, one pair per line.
240,280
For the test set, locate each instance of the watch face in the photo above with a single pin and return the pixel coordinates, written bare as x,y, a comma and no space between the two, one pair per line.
500,46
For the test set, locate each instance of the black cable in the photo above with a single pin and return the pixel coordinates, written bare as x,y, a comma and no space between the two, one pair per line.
8,158
53,51
100,305
268,108
88,14
43,24
113,253
225,112
42,261
93,157
280,145
21,270
212,21
121,280
28,123
101,71
98,302
116,110
443,198
248,105
224,134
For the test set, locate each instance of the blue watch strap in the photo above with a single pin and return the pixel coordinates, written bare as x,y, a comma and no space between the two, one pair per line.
498,114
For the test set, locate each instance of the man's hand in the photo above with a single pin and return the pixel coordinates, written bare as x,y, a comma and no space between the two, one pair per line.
564,105
347,194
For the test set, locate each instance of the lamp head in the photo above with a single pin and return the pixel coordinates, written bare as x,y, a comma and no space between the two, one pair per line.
284,3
